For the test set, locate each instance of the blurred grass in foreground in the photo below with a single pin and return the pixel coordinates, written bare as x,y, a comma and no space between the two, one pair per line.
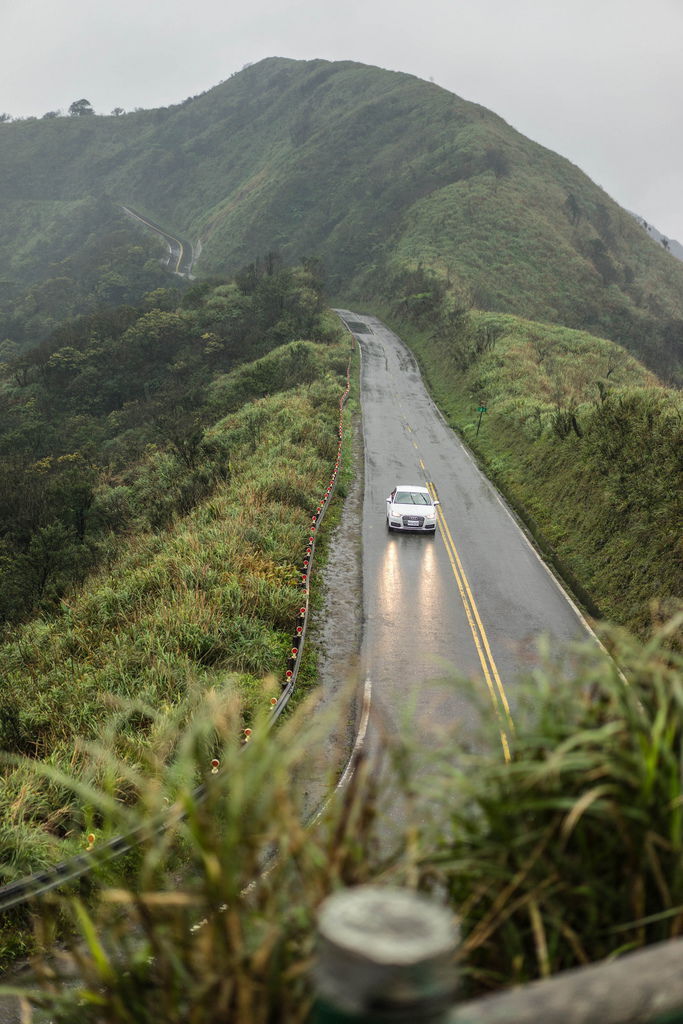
569,854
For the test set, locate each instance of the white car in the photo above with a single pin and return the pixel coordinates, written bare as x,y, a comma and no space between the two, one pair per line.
412,508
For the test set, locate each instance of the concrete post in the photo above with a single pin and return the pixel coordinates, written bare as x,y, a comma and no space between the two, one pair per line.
384,955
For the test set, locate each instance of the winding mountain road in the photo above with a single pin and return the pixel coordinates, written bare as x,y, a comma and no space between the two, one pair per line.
180,253
470,601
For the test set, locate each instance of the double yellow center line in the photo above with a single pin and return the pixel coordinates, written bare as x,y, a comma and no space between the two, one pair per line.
493,680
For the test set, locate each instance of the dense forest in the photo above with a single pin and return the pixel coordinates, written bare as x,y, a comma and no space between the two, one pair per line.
113,401
69,259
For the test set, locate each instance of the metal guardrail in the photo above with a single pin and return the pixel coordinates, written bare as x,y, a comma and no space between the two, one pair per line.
295,653
32,886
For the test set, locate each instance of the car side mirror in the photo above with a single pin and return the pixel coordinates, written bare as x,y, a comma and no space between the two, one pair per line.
437,502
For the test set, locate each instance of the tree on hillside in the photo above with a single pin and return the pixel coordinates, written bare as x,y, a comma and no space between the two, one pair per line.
80,107
572,208
496,160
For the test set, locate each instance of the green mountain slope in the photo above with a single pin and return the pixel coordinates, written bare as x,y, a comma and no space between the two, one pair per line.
378,173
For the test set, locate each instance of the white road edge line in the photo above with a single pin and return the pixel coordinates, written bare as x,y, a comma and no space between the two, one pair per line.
360,735
347,774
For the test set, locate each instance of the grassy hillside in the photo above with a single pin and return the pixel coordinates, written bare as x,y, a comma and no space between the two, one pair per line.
205,605
592,798
379,174
584,441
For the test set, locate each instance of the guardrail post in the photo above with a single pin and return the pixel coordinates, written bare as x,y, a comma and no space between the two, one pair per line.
384,955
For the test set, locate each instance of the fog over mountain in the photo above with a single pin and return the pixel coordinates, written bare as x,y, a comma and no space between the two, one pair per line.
599,83
375,173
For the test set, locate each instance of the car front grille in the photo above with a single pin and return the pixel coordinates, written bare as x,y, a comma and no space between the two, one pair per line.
413,522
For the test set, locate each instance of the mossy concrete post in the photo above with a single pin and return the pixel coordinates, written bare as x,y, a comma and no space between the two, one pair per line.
384,955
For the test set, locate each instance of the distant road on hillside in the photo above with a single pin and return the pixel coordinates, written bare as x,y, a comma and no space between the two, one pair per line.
471,600
181,254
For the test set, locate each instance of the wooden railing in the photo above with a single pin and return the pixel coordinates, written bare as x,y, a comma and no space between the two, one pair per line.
389,955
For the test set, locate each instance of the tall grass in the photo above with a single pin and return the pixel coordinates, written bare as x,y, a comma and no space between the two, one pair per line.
569,853
219,923
574,851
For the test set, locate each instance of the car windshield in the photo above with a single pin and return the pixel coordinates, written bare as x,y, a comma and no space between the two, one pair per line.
412,498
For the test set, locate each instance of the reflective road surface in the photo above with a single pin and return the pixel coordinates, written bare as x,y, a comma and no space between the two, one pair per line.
470,601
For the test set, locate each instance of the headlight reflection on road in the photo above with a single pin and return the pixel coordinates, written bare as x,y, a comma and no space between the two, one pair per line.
408,596
429,580
390,579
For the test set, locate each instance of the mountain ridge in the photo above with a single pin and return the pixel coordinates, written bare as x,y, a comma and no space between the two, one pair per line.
377,173
670,244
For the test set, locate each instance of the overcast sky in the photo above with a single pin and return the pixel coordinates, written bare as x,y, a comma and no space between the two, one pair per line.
599,81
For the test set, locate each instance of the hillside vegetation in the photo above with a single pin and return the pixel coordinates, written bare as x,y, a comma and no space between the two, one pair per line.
376,173
583,440
62,259
154,524
592,799
162,445
102,427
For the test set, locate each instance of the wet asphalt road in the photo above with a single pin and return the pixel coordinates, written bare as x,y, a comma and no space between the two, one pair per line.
470,601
